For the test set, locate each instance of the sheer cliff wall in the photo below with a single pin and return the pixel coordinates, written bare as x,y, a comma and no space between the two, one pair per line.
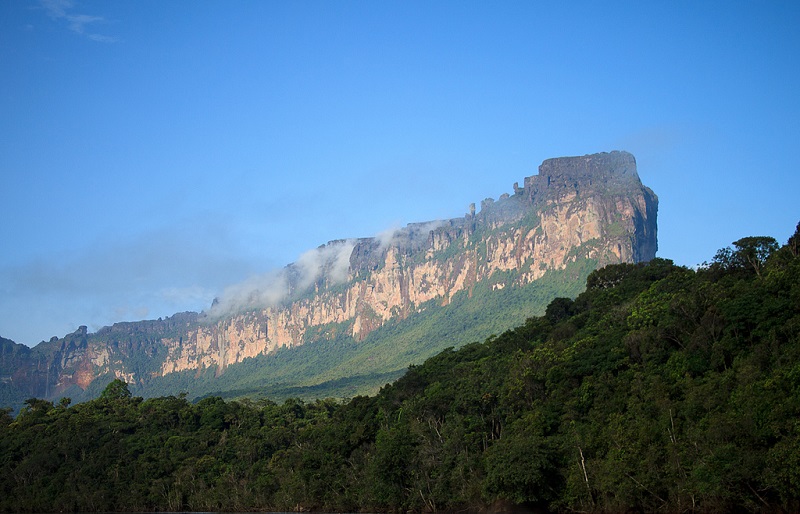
590,207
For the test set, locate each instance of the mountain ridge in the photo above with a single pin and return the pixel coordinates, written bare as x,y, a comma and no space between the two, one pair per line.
592,207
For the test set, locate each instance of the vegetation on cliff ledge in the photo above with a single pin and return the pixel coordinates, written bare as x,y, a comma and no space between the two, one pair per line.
658,388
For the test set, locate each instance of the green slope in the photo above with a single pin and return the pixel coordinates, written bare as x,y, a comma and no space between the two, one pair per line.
343,367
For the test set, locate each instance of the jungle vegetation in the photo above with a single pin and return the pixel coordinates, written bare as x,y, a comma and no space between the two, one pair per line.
659,388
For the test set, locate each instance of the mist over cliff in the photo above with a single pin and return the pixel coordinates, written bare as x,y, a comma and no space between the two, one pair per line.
271,288
576,214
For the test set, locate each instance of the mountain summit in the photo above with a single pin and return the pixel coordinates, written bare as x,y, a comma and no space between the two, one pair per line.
381,303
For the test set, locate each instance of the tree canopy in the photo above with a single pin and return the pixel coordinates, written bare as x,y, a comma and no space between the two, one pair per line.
658,388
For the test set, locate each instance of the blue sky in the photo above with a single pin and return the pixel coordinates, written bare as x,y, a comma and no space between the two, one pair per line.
154,152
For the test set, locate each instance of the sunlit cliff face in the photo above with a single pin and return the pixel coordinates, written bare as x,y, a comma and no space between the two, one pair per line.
591,207
561,215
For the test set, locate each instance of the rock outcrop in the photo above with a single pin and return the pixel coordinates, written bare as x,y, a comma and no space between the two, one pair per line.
590,207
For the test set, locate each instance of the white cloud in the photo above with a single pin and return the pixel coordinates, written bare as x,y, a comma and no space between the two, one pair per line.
332,260
269,289
77,23
56,8
413,231
386,237
260,291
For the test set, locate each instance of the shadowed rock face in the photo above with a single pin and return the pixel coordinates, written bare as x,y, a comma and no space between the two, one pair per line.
589,207
605,170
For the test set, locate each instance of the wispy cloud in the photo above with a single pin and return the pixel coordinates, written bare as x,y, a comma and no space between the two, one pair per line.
62,10
412,231
331,261
386,237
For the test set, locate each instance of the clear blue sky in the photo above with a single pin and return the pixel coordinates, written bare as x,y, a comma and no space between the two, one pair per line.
154,152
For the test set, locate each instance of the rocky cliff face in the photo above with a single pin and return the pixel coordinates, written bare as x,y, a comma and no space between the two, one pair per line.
591,207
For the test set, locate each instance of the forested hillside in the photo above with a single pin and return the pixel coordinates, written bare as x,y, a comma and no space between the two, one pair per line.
660,388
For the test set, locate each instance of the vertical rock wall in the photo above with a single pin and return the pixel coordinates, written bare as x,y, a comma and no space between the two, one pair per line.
592,207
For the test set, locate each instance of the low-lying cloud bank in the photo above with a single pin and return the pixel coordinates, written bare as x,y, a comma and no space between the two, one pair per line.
271,288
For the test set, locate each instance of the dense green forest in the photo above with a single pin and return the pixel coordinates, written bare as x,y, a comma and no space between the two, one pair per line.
659,388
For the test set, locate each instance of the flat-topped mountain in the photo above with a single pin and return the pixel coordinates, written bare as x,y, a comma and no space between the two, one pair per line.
372,306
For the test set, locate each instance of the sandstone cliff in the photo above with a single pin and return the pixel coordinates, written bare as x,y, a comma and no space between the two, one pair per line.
591,207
